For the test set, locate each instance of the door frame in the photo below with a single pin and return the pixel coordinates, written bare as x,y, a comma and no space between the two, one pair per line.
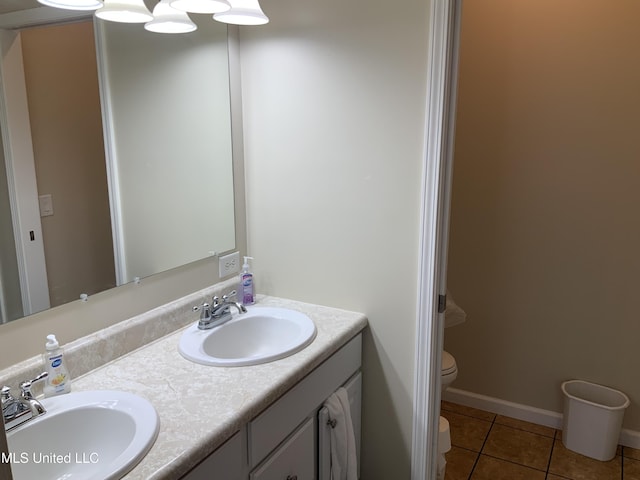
21,175
442,73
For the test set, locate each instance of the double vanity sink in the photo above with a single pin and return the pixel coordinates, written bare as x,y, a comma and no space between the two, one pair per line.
106,427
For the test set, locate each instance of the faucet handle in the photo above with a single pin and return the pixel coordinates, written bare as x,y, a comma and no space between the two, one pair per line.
205,311
6,395
25,387
225,297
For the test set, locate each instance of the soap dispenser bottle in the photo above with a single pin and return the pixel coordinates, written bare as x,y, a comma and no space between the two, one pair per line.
58,381
246,294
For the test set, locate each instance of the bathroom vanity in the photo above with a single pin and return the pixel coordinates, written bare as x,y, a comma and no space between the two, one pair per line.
288,439
253,423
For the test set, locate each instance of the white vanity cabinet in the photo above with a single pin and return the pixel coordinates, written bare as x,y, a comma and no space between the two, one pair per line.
281,443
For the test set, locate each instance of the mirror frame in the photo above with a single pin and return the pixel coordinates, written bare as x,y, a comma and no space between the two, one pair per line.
22,338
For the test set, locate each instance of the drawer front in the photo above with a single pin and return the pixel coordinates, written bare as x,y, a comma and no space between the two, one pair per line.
273,425
294,460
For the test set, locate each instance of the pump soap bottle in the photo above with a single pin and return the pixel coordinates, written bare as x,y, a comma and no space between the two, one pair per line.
58,381
245,289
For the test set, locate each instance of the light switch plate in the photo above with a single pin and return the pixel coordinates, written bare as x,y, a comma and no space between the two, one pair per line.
229,264
46,205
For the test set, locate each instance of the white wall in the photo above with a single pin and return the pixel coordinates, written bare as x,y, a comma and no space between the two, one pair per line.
334,96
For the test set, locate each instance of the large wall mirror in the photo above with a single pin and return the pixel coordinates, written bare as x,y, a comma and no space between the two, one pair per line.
117,157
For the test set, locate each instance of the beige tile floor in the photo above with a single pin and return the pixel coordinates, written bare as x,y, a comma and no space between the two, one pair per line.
486,446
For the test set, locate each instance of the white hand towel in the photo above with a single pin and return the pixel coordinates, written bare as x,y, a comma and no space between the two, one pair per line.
344,465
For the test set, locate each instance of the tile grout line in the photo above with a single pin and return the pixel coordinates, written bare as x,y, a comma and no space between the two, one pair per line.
482,447
513,462
468,415
523,429
553,446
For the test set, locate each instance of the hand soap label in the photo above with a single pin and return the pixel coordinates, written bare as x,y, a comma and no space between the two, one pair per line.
246,296
247,289
58,374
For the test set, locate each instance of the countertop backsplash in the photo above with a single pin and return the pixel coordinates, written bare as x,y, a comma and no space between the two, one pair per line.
92,351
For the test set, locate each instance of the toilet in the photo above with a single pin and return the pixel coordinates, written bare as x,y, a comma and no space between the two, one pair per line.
453,315
449,370
448,374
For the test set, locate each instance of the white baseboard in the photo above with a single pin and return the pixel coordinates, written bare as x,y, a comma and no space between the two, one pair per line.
539,416
629,438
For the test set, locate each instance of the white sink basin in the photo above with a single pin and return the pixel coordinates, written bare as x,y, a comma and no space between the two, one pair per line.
261,335
96,435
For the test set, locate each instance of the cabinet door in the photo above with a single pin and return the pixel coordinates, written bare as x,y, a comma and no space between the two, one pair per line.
294,460
226,463
354,391
276,423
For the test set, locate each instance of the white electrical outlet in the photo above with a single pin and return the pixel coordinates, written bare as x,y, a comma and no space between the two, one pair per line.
229,264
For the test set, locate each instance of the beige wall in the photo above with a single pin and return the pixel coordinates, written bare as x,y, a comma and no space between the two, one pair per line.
334,100
545,226
66,127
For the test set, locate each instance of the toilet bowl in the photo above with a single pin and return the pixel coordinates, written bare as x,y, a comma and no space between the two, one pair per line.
449,370
448,374
454,315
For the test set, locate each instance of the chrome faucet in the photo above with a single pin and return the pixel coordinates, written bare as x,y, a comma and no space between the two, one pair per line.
16,411
218,312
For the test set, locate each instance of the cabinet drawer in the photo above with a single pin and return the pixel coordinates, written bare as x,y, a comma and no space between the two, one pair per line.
294,460
273,425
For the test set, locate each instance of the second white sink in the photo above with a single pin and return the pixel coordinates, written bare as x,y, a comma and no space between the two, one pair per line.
261,335
93,435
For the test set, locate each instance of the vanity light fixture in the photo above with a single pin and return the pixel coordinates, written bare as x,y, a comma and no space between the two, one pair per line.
169,16
201,6
243,12
124,11
72,4
167,19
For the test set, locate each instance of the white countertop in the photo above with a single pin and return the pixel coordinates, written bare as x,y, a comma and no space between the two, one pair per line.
200,406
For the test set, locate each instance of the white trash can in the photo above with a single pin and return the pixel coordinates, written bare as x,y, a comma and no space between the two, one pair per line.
592,418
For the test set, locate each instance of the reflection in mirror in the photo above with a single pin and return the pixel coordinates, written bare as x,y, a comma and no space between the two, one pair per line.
168,112
63,100
168,174
10,299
